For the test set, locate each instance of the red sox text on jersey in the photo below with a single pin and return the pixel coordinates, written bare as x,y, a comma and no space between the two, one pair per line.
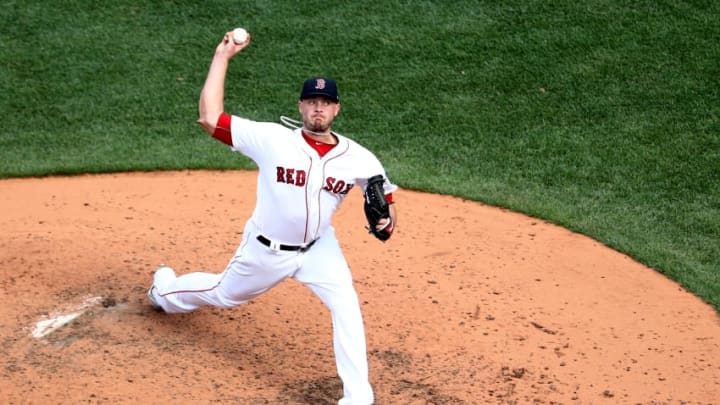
298,177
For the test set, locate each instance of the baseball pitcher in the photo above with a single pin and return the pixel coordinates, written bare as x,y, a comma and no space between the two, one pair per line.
305,171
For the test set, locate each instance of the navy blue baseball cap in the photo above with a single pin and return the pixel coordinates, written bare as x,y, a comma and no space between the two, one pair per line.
320,87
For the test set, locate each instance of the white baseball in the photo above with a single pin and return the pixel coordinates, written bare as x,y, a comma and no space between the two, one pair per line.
240,35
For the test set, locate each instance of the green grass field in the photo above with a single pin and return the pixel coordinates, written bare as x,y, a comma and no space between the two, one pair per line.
601,116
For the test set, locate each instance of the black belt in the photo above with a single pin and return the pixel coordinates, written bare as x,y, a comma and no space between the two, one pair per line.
290,248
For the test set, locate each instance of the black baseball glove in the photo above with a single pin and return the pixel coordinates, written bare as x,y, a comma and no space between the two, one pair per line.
377,207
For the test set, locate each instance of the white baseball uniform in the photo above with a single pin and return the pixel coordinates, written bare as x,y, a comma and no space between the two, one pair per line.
298,192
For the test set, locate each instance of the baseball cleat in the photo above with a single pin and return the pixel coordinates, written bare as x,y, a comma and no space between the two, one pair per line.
153,302
162,276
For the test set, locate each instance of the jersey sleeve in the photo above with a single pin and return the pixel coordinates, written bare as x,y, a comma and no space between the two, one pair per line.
222,129
255,139
372,167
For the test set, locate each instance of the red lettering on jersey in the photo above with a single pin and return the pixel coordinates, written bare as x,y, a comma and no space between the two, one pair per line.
329,183
291,176
338,186
300,178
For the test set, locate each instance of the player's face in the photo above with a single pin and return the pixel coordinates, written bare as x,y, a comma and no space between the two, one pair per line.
318,113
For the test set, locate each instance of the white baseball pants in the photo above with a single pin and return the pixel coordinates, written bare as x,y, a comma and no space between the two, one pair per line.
256,268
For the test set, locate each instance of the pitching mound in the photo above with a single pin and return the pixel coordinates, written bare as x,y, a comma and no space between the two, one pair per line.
470,304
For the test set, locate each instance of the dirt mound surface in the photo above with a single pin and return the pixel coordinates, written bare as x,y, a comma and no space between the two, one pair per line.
470,304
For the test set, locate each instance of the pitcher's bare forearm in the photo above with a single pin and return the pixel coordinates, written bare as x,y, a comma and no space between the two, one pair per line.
211,103
212,96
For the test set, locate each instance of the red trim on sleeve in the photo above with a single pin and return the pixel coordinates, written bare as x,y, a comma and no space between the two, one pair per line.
222,129
389,198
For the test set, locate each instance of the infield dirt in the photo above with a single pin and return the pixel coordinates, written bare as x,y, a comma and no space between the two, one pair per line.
466,304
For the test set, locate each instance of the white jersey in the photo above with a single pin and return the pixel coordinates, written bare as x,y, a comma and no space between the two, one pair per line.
298,191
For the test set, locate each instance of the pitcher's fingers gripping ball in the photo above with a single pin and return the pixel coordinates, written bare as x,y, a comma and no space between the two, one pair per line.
240,35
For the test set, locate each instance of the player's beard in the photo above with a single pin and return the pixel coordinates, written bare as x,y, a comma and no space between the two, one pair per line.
318,125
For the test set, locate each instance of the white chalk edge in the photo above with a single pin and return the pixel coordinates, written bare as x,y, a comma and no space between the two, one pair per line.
53,323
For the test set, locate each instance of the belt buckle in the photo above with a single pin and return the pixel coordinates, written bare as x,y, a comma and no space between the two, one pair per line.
274,245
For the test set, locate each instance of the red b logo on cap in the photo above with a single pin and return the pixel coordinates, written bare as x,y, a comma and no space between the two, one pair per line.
320,84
